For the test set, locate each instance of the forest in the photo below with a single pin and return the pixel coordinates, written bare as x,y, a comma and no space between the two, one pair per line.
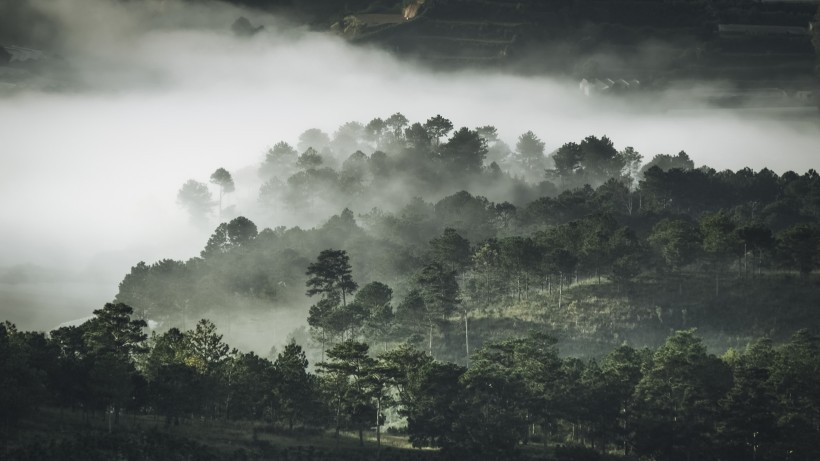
465,299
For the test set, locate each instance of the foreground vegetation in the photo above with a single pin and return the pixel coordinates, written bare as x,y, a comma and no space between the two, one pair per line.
675,402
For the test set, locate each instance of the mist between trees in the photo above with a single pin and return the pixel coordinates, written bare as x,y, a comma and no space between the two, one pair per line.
586,239
440,313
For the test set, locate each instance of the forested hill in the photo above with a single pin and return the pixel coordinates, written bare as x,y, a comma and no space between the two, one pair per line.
588,242
585,312
751,44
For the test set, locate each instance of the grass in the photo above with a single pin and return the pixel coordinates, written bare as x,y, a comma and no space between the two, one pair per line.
64,431
596,316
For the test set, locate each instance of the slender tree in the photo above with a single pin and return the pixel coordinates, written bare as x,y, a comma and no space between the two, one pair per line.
222,178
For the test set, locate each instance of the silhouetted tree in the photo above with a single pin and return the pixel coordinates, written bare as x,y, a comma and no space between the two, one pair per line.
438,127
223,179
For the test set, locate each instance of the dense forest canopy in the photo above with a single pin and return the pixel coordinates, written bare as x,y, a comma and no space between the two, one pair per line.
579,319
418,289
567,235
518,396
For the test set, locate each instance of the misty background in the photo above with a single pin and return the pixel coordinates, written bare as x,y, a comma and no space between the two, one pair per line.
142,96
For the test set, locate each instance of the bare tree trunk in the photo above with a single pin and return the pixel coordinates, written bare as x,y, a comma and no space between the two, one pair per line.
430,343
488,287
338,415
560,289
518,286
466,336
745,262
527,286
378,424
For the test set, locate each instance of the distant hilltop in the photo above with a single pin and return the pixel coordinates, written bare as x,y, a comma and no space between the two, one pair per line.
756,44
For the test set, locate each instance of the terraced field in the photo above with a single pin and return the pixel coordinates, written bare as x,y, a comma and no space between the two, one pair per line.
650,41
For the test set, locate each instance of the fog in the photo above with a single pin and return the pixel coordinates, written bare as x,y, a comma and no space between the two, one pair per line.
153,94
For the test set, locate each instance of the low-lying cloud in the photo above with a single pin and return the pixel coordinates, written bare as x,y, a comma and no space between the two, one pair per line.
155,93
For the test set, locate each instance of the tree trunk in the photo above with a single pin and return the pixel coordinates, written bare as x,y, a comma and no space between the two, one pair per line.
430,341
526,286
323,344
488,287
467,337
518,286
560,290
378,423
338,415
745,262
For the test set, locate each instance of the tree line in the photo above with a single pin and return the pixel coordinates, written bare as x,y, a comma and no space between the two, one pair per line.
663,225
465,254
674,402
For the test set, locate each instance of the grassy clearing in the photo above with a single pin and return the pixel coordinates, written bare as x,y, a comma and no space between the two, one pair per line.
596,315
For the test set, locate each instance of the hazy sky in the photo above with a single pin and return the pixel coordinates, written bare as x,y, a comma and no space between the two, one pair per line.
89,176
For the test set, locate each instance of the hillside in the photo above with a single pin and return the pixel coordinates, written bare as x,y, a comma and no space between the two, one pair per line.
599,251
752,45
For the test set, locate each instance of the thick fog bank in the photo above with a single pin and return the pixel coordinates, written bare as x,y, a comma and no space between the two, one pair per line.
156,93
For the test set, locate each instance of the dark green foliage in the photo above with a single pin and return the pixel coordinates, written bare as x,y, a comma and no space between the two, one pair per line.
531,153
310,159
625,262
465,151
430,403
799,245
667,162
438,296
346,375
293,386
22,385
233,234
330,275
438,127
676,401
676,241
451,250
